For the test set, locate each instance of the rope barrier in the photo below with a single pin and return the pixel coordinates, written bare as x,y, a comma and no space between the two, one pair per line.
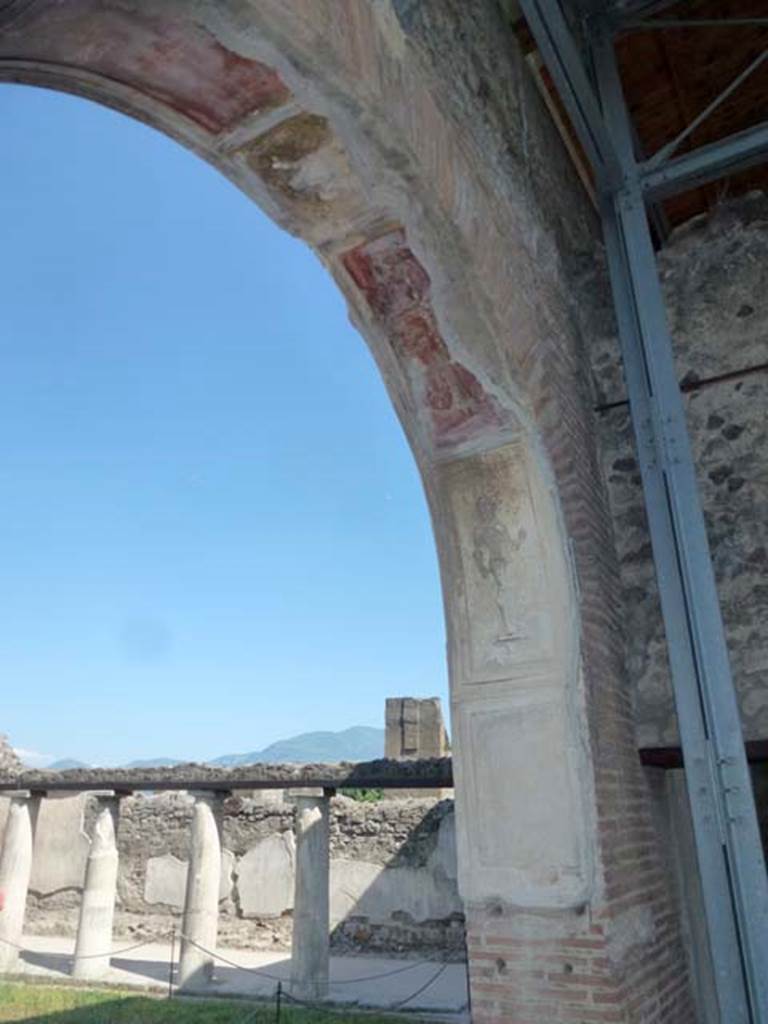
386,974
13,945
424,987
321,1007
282,991
87,956
341,981
115,952
231,963
260,972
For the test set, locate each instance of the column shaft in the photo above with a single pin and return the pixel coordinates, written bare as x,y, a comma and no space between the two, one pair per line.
310,947
15,871
201,906
97,909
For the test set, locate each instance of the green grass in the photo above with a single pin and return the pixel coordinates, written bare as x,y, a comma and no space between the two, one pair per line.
68,1005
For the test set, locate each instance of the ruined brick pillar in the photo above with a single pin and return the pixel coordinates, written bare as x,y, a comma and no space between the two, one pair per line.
415,730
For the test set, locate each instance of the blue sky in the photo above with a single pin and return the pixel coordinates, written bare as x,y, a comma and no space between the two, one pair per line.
214,535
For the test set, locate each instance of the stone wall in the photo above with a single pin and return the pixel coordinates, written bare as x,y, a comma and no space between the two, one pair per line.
10,764
393,871
715,276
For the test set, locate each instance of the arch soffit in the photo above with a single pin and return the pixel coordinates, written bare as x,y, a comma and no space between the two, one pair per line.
327,122
303,131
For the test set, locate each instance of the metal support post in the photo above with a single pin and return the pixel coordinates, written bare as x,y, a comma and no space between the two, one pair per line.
725,823
561,54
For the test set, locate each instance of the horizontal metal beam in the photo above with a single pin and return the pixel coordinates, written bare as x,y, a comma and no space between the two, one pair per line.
661,24
618,9
620,12
736,152
430,773
589,8
672,757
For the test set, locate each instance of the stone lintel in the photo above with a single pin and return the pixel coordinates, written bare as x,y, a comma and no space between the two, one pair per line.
384,774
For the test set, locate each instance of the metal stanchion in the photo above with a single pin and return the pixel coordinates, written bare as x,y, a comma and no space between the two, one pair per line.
170,964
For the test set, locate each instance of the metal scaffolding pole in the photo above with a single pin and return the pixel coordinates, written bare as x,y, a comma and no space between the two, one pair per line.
707,163
725,823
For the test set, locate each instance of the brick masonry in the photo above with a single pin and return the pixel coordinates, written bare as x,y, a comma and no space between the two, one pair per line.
429,178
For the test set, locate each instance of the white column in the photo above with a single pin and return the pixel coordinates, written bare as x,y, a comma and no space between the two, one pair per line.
15,871
310,946
97,909
201,906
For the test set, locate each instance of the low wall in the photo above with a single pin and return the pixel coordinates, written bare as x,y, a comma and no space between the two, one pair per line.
392,887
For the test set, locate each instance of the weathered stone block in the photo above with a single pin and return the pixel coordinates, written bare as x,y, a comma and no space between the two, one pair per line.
61,846
265,877
166,879
361,889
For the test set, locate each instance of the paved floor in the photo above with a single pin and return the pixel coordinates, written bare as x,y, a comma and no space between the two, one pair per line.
363,980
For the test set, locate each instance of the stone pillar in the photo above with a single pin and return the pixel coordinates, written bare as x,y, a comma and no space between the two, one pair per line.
97,909
311,915
201,905
15,870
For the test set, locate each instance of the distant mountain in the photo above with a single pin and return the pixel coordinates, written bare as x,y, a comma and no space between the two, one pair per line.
359,743
64,763
154,762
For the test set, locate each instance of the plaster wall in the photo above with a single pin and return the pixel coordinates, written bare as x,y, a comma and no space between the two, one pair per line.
61,846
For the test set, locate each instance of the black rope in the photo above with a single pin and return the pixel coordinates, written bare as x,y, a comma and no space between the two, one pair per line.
386,974
424,987
321,1007
274,977
283,992
86,956
231,963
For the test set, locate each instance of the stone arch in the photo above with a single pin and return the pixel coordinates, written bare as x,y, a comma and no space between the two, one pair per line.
348,132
